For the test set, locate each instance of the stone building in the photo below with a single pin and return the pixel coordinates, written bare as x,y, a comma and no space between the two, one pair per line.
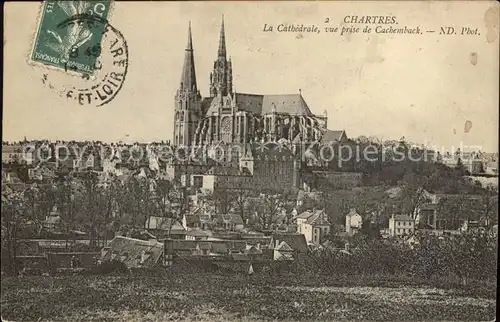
267,167
245,140
400,225
232,117
353,222
313,225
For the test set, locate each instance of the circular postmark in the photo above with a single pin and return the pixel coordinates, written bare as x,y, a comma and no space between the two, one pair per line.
93,73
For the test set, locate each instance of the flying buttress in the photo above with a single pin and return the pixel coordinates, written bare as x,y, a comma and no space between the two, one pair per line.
205,128
197,133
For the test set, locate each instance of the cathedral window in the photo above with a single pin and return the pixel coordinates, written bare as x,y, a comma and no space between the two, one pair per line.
226,125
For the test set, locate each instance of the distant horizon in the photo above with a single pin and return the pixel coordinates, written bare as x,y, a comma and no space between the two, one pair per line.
462,148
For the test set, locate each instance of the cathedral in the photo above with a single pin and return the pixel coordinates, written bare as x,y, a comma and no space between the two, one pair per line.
282,124
230,117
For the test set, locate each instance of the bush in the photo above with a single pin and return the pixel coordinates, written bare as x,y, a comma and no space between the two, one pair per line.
466,257
110,267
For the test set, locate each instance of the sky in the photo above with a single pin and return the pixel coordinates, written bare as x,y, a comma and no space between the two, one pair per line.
423,87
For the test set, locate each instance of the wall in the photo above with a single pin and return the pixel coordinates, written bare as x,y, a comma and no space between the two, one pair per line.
353,223
274,174
307,231
400,227
63,260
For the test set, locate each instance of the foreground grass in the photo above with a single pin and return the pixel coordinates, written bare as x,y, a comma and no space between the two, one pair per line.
158,296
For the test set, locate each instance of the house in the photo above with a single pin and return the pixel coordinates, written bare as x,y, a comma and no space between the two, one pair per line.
254,252
297,243
449,211
162,227
187,249
304,195
471,161
193,221
252,249
427,215
353,222
283,252
42,173
229,222
180,248
401,225
472,226
134,253
491,167
313,225
330,136
52,223
199,218
198,234
14,154
53,220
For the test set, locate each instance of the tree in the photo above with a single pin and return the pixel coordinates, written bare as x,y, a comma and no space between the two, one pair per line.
32,209
471,255
269,206
89,211
164,196
372,204
414,192
12,220
238,201
140,200
171,201
221,199
489,200
460,168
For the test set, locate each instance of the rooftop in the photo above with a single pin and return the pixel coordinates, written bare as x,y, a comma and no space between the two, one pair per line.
402,218
293,104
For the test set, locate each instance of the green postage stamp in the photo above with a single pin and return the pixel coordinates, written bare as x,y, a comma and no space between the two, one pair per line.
69,36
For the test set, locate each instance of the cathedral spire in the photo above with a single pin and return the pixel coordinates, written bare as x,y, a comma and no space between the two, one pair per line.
190,38
222,41
221,79
188,77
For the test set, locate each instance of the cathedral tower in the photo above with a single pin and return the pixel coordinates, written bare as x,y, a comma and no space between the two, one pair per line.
221,79
187,100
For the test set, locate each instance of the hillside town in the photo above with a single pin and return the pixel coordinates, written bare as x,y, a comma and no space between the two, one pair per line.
76,204
248,178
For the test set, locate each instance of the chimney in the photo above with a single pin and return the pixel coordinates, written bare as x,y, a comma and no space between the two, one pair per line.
258,245
347,247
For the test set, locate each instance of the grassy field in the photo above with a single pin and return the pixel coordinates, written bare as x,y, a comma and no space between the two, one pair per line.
159,296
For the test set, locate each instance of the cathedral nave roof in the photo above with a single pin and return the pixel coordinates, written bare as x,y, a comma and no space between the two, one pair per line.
293,104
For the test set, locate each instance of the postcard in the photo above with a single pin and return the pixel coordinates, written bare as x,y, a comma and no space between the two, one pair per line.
250,160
